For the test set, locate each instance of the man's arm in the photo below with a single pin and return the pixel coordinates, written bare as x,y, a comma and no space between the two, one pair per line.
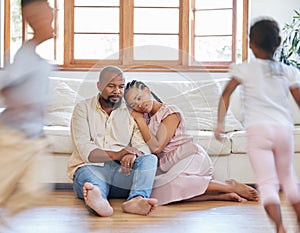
97,155
83,140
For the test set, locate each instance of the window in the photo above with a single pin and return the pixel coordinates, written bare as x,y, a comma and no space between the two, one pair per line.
217,32
50,49
145,34
17,31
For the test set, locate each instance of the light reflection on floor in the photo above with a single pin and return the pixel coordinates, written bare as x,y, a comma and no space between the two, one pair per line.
70,216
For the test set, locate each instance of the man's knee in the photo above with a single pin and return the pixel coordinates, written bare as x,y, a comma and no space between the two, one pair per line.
149,159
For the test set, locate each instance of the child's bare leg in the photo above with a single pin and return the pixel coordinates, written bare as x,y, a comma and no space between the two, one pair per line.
274,213
296,207
140,205
93,198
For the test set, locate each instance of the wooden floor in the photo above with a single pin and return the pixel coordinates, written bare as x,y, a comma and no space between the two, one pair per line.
66,214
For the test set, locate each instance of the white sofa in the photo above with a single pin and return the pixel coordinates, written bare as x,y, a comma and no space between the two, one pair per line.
197,99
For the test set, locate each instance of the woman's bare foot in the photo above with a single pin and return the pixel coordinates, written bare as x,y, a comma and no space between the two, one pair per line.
140,205
243,190
93,198
219,197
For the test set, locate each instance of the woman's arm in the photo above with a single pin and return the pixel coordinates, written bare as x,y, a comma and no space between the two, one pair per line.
165,132
223,106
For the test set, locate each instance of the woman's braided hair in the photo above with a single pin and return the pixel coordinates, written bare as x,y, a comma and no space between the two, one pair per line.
139,85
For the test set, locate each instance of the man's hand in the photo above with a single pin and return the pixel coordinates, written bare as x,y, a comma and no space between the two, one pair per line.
133,150
127,163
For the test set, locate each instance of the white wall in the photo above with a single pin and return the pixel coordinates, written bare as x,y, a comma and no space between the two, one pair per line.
280,10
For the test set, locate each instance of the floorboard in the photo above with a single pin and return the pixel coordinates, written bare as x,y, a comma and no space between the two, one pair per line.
64,213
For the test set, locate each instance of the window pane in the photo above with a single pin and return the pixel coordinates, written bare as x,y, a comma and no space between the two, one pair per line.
96,20
213,4
96,47
156,21
96,2
157,3
60,33
15,28
46,49
155,47
215,22
29,29
213,48
239,34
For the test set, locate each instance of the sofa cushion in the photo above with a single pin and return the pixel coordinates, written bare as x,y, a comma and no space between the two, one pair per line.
295,111
208,141
239,142
200,107
60,139
198,101
297,138
61,103
237,106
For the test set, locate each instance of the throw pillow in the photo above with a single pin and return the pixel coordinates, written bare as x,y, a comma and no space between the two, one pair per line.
200,107
60,106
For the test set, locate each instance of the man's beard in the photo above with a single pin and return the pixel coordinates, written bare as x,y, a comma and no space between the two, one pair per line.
110,103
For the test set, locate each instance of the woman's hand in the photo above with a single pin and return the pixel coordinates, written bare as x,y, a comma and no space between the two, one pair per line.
136,115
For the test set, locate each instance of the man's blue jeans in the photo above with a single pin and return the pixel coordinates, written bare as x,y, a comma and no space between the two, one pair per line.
114,184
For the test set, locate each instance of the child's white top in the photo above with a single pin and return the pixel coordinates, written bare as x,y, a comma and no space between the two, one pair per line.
24,85
266,87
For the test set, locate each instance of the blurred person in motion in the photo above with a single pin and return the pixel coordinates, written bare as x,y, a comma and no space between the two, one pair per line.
24,89
110,158
268,120
185,170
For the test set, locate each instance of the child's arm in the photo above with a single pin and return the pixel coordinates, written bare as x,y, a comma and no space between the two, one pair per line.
223,106
296,94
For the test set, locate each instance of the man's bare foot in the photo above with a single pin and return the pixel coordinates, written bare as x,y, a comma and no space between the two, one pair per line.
243,190
219,197
93,198
140,205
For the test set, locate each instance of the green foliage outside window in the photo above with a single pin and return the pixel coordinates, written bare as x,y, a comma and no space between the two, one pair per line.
289,52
